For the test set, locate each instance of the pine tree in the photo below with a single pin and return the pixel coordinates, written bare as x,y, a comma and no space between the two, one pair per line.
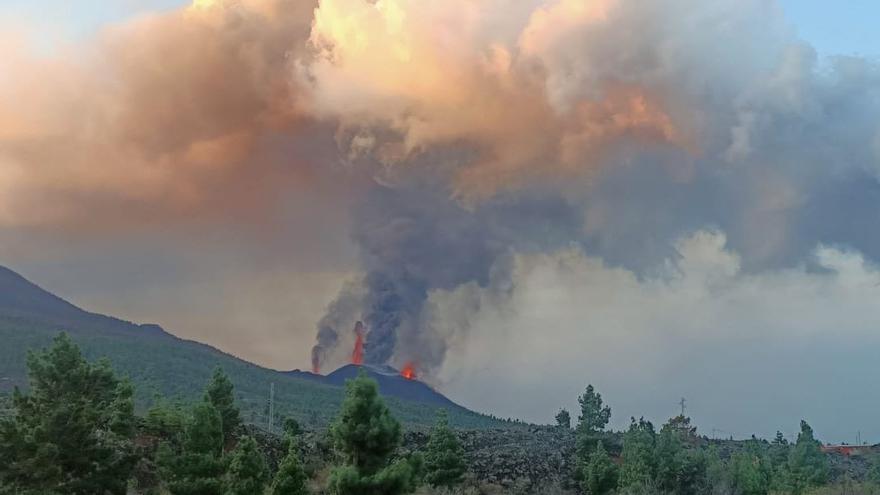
681,425
165,420
778,450
196,468
204,433
290,478
679,467
750,472
668,455
638,462
600,472
807,465
563,419
247,473
444,458
777,457
72,433
592,420
220,393
367,436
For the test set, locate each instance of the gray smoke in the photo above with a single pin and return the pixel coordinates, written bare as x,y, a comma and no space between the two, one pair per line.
341,313
784,155
415,238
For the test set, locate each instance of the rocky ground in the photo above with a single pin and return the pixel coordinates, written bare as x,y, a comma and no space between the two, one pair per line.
517,460
522,460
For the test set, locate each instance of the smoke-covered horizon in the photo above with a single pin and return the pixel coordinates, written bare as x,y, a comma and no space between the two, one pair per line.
290,168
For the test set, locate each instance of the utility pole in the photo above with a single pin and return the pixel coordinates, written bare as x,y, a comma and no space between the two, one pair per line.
682,403
271,418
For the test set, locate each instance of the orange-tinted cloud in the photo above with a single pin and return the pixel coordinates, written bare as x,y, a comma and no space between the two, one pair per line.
446,72
162,116
206,110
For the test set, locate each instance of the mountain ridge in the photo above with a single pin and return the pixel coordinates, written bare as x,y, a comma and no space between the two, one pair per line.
159,362
20,296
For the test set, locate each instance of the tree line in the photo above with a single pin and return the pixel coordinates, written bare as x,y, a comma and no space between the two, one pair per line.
75,432
674,460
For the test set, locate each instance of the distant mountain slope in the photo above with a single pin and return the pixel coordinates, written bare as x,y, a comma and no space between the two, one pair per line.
158,362
21,298
18,294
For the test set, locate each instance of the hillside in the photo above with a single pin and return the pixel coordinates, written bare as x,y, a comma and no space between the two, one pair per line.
160,363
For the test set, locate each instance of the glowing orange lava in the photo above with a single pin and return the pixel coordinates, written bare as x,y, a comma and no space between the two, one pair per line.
357,355
409,371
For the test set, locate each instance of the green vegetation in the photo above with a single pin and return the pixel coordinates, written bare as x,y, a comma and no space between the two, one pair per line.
247,473
195,466
592,421
638,463
367,435
444,458
677,461
73,432
681,468
159,364
290,478
600,472
76,432
750,473
563,419
807,466
220,394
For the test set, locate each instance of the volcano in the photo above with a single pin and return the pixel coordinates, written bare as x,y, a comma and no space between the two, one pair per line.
391,383
159,362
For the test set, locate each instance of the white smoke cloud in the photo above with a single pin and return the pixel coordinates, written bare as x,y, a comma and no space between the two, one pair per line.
749,350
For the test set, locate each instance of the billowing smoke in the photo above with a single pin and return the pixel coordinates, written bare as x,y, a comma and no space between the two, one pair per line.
506,82
413,240
462,134
644,120
166,117
344,312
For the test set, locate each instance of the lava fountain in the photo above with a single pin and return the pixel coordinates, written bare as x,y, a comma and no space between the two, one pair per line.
409,371
357,355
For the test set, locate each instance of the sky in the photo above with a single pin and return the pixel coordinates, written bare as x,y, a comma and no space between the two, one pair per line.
848,28
664,198
844,29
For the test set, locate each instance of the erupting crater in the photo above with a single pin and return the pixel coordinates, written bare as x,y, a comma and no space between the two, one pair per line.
409,371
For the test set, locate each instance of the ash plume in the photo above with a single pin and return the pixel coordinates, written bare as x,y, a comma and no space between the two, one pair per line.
343,312
460,133
626,113
414,240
